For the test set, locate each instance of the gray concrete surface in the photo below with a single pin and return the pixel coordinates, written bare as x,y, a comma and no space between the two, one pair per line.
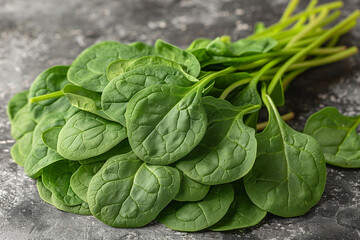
37,34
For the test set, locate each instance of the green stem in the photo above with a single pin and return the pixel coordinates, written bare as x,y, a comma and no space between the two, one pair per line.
309,7
233,86
285,117
302,67
46,96
289,10
323,38
326,60
207,79
282,25
308,28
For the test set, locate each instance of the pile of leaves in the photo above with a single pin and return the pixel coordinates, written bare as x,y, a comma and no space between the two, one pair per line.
133,133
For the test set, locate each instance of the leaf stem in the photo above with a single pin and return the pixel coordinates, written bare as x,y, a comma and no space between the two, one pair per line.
323,38
289,10
46,96
282,25
286,117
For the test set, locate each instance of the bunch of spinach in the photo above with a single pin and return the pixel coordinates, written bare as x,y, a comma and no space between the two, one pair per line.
133,133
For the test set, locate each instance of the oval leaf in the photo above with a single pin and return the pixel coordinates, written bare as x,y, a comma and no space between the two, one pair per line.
195,216
337,137
86,135
165,122
126,192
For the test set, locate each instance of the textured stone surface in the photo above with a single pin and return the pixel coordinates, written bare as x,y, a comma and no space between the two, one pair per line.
38,34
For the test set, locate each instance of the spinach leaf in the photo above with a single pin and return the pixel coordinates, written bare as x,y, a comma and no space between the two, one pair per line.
18,101
56,178
191,191
337,136
242,47
121,66
122,148
49,81
289,174
46,195
80,180
50,137
228,150
87,135
242,212
21,149
198,43
165,122
118,92
126,192
195,216
89,68
186,59
85,100
22,123
40,155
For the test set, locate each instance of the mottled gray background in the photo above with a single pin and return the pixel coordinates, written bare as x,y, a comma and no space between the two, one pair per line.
37,34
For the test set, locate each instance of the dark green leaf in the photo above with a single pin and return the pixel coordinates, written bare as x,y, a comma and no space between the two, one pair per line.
195,216
18,101
49,81
47,196
242,212
126,192
186,59
165,122
191,191
87,135
228,150
289,174
117,94
50,137
80,180
56,178
337,136
89,68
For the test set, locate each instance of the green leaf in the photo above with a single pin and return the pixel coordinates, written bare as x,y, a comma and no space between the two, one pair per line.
49,81
247,46
46,195
22,148
50,137
191,191
18,101
198,43
242,47
165,122
89,68
41,156
289,174
195,216
186,59
278,94
121,66
22,123
85,100
87,135
80,180
119,91
126,192
228,150
122,148
337,136
242,212
56,178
